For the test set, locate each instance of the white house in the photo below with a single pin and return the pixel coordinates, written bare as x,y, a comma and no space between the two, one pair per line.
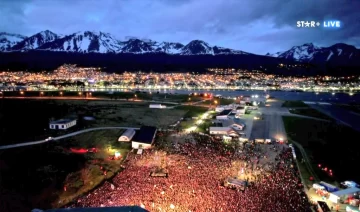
159,106
219,130
62,124
227,131
232,124
127,135
240,110
144,138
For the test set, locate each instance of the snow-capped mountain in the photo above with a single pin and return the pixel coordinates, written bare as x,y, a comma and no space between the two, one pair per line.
274,54
170,48
197,47
100,42
8,40
137,46
35,41
339,53
300,53
84,42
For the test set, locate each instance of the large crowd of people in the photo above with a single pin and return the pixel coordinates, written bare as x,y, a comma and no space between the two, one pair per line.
196,173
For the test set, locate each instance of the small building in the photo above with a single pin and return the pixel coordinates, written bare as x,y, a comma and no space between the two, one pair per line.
343,194
62,124
227,131
224,114
144,138
229,123
158,106
127,135
240,110
219,130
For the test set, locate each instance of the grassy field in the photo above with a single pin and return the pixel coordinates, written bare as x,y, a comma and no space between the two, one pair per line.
40,173
351,107
140,95
220,101
192,111
32,124
326,143
294,104
310,112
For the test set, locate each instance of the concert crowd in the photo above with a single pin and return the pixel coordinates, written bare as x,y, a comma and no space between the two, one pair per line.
196,173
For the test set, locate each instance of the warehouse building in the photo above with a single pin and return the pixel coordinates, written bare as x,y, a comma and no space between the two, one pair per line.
62,124
158,106
144,138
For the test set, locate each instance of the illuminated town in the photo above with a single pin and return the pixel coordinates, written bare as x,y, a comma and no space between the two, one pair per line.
71,77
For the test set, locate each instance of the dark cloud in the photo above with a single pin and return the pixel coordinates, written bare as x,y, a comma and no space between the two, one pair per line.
257,26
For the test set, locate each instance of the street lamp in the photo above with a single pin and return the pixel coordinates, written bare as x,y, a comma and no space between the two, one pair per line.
22,92
215,101
61,93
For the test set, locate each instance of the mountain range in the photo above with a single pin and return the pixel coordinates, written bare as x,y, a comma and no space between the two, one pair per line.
46,50
100,42
339,53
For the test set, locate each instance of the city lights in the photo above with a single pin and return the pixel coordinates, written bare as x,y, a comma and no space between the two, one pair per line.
70,77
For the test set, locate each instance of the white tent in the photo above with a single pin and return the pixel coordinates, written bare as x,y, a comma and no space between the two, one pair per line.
127,135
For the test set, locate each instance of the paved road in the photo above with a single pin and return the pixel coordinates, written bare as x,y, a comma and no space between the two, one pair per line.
306,160
272,125
341,115
62,137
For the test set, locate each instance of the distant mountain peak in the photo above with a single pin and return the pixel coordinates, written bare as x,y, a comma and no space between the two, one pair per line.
339,53
8,40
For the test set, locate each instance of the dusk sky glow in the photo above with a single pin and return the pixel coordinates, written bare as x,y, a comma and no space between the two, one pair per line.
255,26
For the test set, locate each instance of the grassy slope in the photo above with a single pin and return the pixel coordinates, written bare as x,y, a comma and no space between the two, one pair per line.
294,104
41,171
310,112
328,144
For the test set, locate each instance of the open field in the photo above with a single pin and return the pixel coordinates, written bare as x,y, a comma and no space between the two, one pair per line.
351,107
38,175
333,146
192,111
219,101
116,95
294,104
310,112
27,120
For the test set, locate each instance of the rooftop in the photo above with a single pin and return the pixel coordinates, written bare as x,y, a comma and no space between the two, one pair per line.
145,135
346,191
62,121
225,113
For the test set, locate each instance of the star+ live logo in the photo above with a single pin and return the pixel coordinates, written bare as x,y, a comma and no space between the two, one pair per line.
314,24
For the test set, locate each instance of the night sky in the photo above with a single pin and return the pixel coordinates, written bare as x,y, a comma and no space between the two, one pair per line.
257,26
